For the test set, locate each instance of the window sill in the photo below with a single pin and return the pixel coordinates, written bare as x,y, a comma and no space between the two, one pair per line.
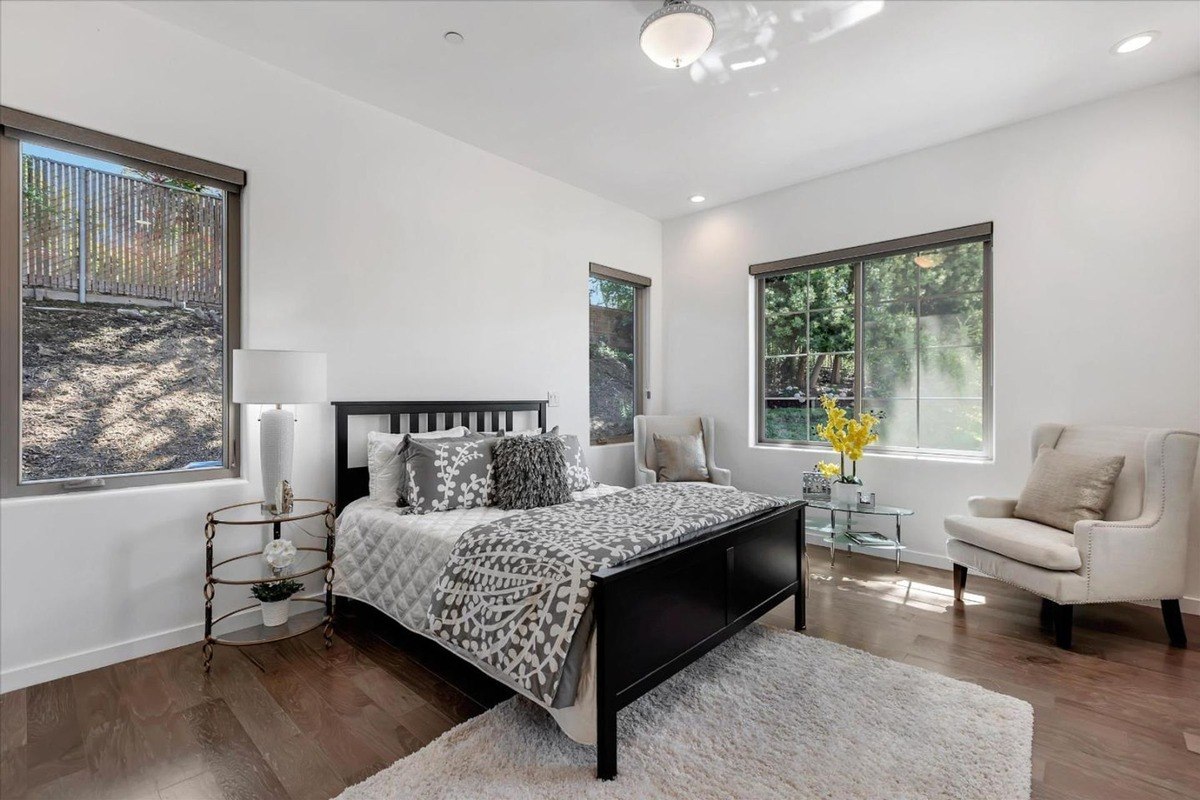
124,491
825,453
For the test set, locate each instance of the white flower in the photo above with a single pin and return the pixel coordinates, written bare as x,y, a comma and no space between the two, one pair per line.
279,554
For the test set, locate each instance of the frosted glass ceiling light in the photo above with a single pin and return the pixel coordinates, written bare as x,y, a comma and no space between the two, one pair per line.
677,34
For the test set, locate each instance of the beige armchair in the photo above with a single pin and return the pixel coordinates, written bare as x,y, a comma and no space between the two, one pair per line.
1137,552
644,458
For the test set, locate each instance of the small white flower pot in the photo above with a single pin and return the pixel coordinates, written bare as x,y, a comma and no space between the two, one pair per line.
846,493
275,614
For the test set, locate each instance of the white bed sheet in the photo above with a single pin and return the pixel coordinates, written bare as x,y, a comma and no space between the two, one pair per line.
392,561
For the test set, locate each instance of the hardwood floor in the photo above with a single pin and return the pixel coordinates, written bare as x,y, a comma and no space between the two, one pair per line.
1113,717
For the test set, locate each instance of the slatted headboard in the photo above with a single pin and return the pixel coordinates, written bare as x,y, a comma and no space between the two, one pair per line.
417,416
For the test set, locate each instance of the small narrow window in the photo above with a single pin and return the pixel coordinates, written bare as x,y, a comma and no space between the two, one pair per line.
121,305
615,322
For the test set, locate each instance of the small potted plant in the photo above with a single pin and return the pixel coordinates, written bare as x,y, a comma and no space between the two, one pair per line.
848,437
279,555
274,599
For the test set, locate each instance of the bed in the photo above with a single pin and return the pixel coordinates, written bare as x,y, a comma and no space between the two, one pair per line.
647,617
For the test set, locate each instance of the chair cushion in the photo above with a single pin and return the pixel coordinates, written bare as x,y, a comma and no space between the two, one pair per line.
1064,488
1019,539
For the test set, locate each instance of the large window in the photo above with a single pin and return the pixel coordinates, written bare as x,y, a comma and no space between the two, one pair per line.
901,329
615,352
120,304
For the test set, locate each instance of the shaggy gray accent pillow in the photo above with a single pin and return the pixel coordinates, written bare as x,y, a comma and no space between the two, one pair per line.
1064,488
531,472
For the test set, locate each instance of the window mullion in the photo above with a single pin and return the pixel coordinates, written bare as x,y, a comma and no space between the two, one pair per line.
859,313
917,361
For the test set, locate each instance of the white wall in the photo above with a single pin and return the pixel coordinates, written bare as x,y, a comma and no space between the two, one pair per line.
426,268
1096,277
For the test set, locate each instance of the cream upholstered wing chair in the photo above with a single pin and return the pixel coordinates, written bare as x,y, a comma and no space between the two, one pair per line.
1137,552
645,462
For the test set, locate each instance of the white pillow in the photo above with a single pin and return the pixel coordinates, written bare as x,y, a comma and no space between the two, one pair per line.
383,464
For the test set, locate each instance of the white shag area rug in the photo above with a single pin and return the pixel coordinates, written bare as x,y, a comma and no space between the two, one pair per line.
768,714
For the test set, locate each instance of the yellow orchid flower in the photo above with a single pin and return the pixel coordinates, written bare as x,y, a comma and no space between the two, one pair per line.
829,470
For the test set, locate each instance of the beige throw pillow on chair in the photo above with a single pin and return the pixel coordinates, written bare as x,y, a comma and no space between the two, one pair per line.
1064,488
681,457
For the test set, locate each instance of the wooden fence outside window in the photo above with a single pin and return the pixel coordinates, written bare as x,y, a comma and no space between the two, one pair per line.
92,232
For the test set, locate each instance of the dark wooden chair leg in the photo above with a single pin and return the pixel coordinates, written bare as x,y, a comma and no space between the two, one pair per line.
960,580
1062,624
1173,617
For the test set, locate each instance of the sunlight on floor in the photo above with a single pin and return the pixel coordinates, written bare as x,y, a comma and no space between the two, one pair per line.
904,591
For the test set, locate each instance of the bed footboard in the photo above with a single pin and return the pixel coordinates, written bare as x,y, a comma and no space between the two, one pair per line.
657,614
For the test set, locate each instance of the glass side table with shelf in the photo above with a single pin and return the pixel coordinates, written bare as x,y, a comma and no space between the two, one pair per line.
836,532
255,514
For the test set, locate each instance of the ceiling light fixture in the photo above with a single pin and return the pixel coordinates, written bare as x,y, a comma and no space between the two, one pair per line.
697,198
1135,42
453,37
677,34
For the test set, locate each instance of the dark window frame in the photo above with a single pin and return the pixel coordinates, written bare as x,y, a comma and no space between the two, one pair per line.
641,286
17,126
856,256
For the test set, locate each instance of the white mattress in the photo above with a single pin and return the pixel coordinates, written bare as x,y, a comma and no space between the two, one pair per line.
392,560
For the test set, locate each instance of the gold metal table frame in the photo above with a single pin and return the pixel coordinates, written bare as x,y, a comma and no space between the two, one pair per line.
242,514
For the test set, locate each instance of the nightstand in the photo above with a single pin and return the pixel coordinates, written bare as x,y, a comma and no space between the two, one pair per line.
249,516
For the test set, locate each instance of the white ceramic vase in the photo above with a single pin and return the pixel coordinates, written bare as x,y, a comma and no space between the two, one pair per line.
275,614
846,493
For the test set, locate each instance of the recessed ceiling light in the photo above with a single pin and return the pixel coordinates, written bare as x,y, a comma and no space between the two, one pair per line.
1135,42
697,198
453,37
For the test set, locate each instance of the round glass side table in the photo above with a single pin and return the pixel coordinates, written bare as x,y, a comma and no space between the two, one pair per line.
844,532
252,514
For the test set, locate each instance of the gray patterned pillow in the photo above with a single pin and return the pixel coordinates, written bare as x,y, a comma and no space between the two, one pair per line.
448,473
531,472
400,457
579,477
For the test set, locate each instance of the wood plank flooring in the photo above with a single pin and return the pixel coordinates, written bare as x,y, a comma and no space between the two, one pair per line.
1113,717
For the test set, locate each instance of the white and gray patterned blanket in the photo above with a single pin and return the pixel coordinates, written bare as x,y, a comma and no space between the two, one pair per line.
514,591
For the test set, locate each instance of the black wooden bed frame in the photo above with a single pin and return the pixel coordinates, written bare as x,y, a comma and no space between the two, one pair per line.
656,614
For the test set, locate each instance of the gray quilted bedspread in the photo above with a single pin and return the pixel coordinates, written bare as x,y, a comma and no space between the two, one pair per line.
514,591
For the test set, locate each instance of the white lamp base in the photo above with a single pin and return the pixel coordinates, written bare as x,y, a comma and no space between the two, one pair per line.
276,435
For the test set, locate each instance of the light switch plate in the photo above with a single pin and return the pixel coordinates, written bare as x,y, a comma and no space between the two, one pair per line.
552,399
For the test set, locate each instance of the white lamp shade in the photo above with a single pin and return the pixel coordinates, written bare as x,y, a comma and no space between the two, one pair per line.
279,376
677,34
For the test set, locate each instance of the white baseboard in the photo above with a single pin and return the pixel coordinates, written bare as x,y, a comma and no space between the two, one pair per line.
52,669
1189,605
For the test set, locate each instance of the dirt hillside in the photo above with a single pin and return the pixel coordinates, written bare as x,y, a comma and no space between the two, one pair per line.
109,389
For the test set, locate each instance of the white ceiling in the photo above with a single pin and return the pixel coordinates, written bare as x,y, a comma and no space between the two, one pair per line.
563,88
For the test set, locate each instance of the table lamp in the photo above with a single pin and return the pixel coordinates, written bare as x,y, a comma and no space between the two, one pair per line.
273,378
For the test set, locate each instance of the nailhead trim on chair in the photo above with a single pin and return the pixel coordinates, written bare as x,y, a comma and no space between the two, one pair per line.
1162,502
